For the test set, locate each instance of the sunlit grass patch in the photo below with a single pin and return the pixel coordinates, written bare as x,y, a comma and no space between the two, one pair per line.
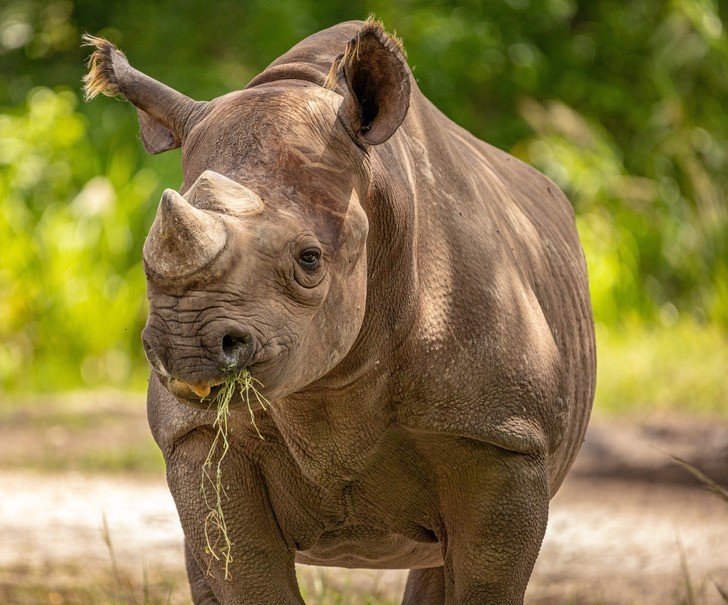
679,367
81,583
329,586
103,431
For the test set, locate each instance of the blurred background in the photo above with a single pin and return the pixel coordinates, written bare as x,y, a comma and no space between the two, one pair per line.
621,102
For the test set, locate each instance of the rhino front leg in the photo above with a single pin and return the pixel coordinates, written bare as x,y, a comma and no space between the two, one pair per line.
201,592
494,509
425,587
262,571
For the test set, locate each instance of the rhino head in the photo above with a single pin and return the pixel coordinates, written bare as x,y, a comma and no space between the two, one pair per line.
259,262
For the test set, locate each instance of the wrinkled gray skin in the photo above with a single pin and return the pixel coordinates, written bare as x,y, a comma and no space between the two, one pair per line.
430,374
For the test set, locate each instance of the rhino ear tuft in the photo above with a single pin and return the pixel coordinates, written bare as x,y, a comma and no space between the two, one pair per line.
101,77
375,77
165,115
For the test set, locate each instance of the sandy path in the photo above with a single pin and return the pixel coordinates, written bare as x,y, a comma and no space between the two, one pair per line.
608,541
615,535
616,541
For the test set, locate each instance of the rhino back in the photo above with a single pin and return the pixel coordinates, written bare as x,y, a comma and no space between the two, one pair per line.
311,59
502,332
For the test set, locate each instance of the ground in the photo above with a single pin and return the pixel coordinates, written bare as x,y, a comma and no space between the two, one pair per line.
85,515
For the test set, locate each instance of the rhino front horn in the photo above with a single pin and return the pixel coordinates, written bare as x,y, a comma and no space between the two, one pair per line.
183,239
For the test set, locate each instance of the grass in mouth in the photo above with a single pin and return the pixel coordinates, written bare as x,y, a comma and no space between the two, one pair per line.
217,540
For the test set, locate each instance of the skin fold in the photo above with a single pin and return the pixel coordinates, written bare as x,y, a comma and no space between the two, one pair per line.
412,302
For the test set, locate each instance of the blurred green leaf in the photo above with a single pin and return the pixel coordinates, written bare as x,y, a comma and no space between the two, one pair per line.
622,103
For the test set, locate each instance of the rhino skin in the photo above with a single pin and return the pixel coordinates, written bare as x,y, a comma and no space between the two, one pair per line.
413,301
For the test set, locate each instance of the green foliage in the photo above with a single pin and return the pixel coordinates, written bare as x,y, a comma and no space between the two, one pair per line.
72,223
619,102
648,174
676,366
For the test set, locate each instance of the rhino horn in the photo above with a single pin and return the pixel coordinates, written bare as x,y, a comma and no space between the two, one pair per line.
183,239
216,192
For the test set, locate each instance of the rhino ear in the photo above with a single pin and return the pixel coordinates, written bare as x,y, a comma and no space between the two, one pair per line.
375,78
156,137
165,115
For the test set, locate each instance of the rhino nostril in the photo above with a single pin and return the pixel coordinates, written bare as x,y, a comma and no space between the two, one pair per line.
230,343
237,349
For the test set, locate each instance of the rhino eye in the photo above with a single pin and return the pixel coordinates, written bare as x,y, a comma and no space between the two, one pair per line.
310,259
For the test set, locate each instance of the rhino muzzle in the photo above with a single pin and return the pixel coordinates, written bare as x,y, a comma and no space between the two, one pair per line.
229,351
189,234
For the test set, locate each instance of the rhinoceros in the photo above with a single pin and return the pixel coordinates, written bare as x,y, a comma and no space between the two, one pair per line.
411,301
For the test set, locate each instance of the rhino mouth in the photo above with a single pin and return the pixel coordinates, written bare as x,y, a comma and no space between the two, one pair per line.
199,382
206,395
202,397
186,391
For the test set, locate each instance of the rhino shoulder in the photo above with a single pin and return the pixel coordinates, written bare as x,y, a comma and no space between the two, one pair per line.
488,369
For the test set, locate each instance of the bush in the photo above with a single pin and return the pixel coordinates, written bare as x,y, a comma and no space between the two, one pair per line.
621,103
72,225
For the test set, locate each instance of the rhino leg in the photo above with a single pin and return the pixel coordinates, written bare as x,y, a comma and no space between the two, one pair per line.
201,592
425,587
494,509
262,570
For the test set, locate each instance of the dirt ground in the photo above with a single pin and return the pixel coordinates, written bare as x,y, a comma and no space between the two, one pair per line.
627,527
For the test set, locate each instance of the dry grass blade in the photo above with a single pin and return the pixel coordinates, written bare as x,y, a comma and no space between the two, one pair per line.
714,487
722,493
690,598
247,384
212,476
723,592
112,555
217,540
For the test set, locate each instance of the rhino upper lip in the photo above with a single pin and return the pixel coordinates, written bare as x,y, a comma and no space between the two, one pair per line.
166,378
187,393
212,395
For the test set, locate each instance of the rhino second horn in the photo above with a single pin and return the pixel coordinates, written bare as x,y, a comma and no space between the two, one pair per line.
183,239
216,192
